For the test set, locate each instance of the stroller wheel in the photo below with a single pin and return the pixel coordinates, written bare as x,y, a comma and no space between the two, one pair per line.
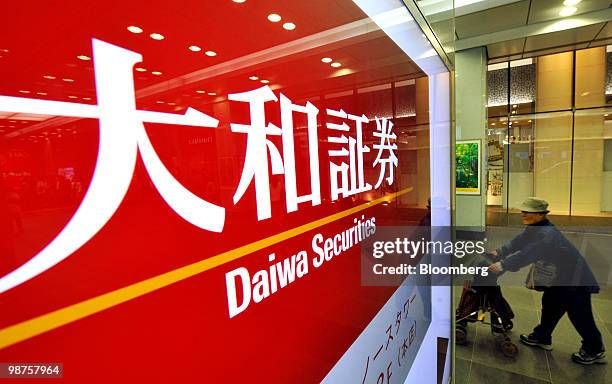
461,336
508,325
509,349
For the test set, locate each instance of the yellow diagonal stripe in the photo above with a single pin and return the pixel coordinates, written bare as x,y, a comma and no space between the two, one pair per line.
30,328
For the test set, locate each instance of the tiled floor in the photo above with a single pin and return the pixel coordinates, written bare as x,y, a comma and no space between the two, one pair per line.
481,361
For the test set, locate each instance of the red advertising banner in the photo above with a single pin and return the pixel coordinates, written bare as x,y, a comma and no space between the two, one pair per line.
184,188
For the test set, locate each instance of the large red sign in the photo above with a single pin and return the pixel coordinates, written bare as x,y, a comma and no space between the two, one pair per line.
183,192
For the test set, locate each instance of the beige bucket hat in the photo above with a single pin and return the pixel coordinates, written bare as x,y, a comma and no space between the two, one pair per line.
534,205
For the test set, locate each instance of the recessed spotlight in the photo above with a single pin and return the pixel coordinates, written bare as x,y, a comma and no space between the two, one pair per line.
569,3
156,73
289,26
327,60
171,103
510,123
529,121
140,69
72,97
210,53
87,98
212,94
514,106
567,11
41,93
253,78
157,36
134,29
265,81
23,91
492,123
68,80
239,1
49,77
83,57
200,91
159,102
194,48
513,112
275,18
606,115
336,64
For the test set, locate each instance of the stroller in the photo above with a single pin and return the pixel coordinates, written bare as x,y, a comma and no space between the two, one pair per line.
480,296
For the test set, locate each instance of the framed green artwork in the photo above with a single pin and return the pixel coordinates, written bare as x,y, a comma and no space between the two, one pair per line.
467,167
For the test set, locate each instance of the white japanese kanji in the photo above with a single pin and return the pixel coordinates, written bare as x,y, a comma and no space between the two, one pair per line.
351,176
122,136
258,146
287,109
383,131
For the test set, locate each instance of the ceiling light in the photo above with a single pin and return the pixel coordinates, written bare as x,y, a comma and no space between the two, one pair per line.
275,18
194,48
156,73
289,26
529,121
41,93
171,103
200,91
513,112
510,123
68,80
606,115
336,64
86,98
134,29
253,78
24,91
492,123
140,69
326,60
569,3
239,1
72,97
159,102
83,57
265,81
567,11
514,106
157,36
49,77
210,53
212,94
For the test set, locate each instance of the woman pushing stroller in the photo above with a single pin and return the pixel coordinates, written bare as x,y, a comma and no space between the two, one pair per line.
561,272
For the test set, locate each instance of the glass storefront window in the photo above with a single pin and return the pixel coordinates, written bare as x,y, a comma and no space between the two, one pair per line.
590,78
554,82
592,165
563,153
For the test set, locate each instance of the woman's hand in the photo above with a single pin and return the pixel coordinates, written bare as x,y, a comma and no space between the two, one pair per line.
496,268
